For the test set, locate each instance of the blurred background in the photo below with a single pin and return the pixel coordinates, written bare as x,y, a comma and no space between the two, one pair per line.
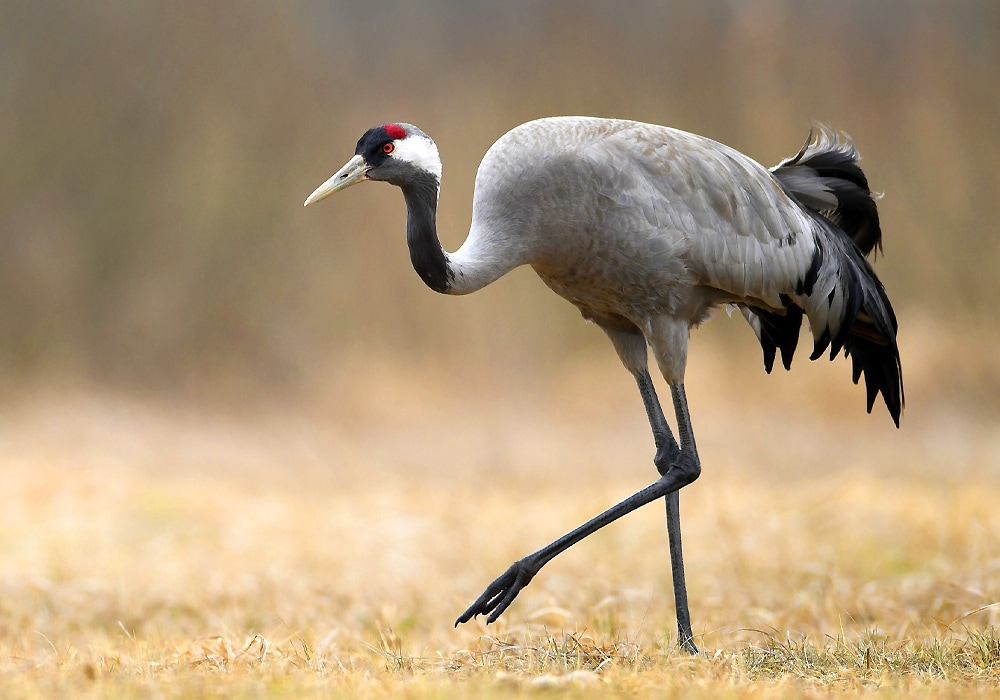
198,375
155,157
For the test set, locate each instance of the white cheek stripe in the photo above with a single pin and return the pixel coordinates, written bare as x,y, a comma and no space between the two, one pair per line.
421,152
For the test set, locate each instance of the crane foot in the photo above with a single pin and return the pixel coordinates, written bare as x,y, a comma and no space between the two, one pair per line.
501,593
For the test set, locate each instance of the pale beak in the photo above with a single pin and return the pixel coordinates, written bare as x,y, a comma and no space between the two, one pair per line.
353,172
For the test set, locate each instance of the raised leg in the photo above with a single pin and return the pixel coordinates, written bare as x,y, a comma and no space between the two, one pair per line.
683,469
501,593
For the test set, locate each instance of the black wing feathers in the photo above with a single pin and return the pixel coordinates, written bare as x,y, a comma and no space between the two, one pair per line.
824,176
779,332
825,179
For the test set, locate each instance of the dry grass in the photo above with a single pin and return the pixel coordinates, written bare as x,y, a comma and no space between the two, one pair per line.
157,551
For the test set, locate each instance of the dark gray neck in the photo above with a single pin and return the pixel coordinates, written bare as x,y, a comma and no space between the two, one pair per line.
428,257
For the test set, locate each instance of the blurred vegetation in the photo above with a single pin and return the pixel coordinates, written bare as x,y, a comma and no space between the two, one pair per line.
156,156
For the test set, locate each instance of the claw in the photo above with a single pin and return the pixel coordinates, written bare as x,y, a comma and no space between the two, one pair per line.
500,594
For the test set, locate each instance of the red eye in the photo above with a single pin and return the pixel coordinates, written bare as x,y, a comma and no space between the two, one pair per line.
389,147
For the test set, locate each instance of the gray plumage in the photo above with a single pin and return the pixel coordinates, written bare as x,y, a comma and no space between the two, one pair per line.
645,229
649,227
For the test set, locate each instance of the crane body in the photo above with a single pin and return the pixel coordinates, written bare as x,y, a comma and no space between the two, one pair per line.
646,229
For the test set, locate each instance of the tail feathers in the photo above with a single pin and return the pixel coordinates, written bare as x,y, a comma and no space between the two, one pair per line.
776,332
845,302
825,177
855,316
877,358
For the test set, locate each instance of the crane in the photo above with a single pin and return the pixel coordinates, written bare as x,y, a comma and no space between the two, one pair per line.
645,229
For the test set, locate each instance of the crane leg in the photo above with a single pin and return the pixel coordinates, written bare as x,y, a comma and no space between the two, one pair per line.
668,453
682,470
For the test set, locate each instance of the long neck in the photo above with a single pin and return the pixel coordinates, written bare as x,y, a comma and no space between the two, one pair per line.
428,257
479,261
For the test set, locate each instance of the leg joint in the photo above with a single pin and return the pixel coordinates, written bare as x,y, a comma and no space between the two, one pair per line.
667,455
688,467
685,467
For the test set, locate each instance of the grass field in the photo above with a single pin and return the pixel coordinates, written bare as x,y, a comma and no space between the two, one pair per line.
152,549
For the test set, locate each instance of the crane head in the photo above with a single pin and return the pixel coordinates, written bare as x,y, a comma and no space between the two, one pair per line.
400,154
